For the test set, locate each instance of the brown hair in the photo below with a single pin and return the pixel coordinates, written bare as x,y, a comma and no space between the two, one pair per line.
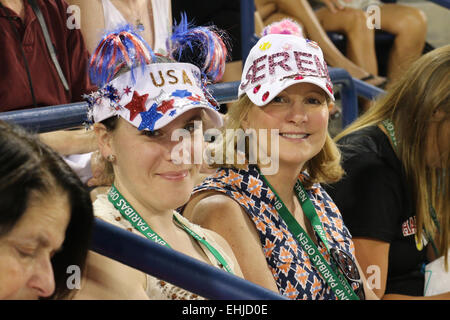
410,103
29,168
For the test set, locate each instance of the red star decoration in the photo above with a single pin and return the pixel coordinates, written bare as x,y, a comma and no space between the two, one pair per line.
136,105
127,90
166,105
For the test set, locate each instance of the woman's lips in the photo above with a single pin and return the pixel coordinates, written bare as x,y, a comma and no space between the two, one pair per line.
174,175
295,136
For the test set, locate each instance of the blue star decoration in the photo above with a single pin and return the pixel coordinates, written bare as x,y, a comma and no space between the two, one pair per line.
172,113
149,118
181,93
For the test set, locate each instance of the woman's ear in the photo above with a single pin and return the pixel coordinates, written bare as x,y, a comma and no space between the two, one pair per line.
330,105
104,139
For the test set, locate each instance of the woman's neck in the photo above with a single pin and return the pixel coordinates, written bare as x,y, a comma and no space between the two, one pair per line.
159,220
283,183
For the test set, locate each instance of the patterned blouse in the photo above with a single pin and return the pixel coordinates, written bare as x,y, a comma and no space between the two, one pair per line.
291,267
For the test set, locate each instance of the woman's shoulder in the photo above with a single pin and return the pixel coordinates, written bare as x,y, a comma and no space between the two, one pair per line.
105,210
367,138
368,143
209,205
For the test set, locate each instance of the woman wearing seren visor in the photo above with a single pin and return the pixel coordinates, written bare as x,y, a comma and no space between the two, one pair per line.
284,229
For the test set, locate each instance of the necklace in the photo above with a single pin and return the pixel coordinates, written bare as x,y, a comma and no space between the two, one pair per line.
137,15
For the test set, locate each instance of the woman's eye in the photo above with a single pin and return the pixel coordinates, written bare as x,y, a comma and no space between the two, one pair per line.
25,253
279,99
312,100
151,134
190,127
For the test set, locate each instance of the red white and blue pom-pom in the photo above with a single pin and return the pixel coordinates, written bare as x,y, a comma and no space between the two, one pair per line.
203,46
117,48
285,26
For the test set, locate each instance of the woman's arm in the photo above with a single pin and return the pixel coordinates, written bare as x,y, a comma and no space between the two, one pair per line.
228,251
223,215
92,22
107,279
372,252
67,142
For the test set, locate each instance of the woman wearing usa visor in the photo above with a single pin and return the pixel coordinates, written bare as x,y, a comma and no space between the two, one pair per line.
284,229
143,100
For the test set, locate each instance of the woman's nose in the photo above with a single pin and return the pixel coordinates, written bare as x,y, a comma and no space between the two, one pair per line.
297,112
43,279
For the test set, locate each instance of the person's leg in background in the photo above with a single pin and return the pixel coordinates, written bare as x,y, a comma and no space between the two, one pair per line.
409,25
302,12
360,39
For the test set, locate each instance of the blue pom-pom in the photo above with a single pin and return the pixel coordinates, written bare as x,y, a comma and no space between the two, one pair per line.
202,46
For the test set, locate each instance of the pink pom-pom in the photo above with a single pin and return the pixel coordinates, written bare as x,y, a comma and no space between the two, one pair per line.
285,26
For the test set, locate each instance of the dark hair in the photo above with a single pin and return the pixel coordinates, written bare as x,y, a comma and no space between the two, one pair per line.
27,167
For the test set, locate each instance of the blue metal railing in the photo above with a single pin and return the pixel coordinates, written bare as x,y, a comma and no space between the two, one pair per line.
174,267
443,3
59,117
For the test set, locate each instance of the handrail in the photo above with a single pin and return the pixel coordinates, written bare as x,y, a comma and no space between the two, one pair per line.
59,117
174,267
442,3
367,90
52,118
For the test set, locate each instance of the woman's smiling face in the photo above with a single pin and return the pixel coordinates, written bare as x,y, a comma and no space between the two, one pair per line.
144,165
300,113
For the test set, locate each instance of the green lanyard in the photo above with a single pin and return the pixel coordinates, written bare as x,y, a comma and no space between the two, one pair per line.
128,212
338,283
389,126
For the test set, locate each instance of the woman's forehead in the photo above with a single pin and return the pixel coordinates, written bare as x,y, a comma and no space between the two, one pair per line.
304,88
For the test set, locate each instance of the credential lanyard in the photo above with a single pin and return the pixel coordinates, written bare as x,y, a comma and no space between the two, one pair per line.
132,216
338,283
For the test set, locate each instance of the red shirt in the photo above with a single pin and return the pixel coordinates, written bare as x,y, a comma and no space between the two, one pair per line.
15,92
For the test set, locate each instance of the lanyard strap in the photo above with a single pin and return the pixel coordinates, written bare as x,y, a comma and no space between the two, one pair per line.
48,42
211,249
338,283
389,126
132,216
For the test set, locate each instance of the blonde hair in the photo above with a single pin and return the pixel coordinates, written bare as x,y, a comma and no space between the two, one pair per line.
410,103
323,168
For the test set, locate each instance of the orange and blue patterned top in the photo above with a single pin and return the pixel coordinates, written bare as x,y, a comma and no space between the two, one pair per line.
291,267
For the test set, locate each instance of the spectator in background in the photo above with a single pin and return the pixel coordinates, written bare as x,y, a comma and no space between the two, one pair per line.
45,221
394,197
152,17
406,23
29,76
360,61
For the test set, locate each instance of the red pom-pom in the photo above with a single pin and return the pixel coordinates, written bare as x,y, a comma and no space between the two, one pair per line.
285,26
